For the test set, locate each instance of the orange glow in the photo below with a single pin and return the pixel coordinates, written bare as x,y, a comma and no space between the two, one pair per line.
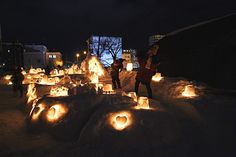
49,81
94,79
23,72
7,77
59,63
36,113
132,95
36,71
107,89
74,69
31,93
120,120
56,72
59,91
189,91
157,77
129,66
143,103
94,66
56,112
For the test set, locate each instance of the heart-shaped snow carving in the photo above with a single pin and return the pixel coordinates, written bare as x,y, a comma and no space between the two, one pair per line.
121,119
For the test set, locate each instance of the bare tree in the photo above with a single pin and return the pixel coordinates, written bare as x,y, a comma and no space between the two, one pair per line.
113,46
106,48
98,46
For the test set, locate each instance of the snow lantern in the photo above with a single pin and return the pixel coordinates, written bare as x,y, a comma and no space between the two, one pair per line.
37,111
107,89
157,77
94,78
133,96
31,93
56,112
94,66
189,91
48,81
120,120
143,103
7,77
129,66
59,91
23,72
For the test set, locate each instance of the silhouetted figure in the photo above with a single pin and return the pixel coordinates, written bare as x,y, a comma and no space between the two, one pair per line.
116,67
17,78
148,65
47,70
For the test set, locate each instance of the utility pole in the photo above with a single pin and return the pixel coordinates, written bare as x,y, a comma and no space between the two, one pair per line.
0,40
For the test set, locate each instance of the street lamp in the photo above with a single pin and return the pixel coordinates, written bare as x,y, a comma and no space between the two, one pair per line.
77,57
85,52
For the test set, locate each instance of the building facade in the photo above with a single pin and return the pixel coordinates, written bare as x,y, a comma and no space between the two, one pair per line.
53,58
34,56
130,57
12,54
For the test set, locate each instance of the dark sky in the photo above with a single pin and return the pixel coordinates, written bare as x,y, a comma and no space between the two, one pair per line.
66,24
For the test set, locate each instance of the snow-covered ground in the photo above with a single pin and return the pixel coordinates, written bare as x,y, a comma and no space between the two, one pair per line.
176,126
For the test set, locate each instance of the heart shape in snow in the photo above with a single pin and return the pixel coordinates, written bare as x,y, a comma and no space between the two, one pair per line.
121,119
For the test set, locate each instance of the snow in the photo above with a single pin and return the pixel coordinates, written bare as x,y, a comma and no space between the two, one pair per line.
177,126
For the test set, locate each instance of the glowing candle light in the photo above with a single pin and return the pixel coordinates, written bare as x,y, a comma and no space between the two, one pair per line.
129,66
189,91
143,103
120,120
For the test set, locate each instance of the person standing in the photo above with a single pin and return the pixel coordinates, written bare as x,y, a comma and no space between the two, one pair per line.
148,65
17,79
116,67
47,70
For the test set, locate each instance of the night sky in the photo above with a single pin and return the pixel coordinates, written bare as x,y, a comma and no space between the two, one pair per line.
65,25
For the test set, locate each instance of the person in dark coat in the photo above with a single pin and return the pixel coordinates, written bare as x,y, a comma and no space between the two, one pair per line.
116,67
47,70
17,78
148,65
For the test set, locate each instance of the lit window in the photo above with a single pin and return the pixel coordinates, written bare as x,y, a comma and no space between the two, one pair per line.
54,56
50,56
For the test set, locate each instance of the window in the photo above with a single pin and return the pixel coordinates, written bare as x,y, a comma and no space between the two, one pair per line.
49,56
54,56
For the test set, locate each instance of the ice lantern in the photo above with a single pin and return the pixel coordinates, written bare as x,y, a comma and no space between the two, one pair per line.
120,120
133,96
107,89
129,66
143,103
189,91
157,77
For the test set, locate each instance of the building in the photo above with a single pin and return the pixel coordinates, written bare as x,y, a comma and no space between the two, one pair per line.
154,39
105,48
34,56
130,57
12,54
38,56
53,58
